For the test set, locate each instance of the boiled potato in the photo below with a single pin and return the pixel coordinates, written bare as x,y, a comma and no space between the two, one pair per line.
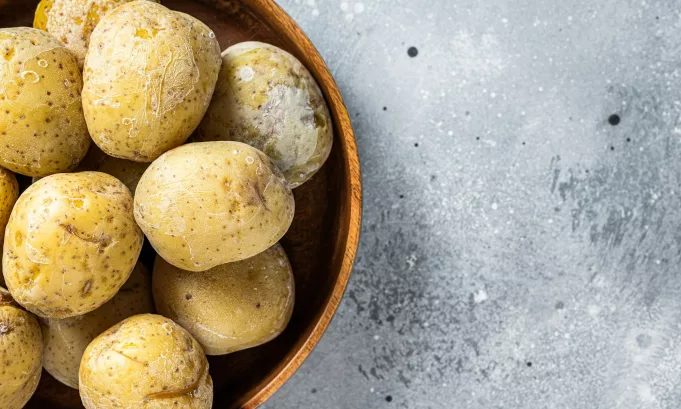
42,128
65,340
72,21
149,76
9,192
211,203
232,306
126,171
266,98
146,361
70,244
21,353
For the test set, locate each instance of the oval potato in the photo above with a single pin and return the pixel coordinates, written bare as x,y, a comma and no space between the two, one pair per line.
70,244
266,98
145,361
232,306
42,128
21,353
65,339
211,203
72,21
149,76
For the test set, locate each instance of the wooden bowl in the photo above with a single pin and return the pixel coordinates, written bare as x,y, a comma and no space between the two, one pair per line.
323,238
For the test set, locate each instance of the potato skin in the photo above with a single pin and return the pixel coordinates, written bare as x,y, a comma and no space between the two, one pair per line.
230,307
21,353
72,21
65,340
70,244
42,128
266,98
211,203
146,361
149,76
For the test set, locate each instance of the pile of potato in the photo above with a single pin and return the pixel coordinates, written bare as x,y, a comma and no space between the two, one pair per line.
139,79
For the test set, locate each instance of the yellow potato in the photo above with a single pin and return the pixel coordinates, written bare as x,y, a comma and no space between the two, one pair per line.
21,353
211,203
72,21
126,171
42,128
149,76
9,192
65,340
146,361
232,306
266,98
70,244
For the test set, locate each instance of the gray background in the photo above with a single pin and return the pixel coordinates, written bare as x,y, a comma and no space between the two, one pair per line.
518,250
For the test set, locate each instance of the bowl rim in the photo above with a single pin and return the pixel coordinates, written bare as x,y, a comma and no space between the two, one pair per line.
281,21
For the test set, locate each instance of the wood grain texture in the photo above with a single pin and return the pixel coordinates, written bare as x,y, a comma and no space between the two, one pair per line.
323,239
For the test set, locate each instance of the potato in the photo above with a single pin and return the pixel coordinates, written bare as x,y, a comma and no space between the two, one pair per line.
126,171
9,192
146,361
65,340
70,244
211,203
42,128
266,98
21,353
72,21
232,306
149,77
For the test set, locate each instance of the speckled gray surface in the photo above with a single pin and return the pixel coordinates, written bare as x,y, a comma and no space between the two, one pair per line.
518,249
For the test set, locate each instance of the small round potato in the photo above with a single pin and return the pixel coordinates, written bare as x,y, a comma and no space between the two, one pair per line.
70,244
266,98
211,203
21,353
232,306
146,361
72,21
149,76
42,128
65,340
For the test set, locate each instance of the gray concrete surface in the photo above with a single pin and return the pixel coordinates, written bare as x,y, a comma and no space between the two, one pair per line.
518,250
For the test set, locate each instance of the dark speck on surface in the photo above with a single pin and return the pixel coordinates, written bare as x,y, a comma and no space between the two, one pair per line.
413,52
385,108
416,145
529,364
314,390
560,305
614,120
388,398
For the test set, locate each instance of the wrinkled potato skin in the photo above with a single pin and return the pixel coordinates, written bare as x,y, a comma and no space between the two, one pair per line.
232,306
72,21
149,76
42,128
266,98
211,203
146,361
70,244
21,353
65,340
